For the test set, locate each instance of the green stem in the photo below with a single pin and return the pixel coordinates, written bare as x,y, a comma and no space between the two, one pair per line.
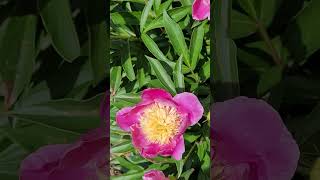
264,34
192,72
189,153
124,38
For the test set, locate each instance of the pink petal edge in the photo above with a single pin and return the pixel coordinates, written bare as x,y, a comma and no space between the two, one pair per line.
190,103
179,150
153,93
124,119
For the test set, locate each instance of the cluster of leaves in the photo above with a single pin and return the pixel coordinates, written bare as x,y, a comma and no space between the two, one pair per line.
53,62
275,51
156,44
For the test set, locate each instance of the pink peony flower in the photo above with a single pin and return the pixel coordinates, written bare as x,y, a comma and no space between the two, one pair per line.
154,175
85,159
250,142
201,9
158,122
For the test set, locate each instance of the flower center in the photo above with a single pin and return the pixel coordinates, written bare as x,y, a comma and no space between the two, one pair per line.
160,123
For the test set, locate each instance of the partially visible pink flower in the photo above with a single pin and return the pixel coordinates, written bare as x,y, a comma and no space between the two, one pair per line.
85,159
250,142
201,9
154,175
158,122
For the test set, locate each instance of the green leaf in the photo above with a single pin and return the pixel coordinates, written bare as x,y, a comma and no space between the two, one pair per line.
176,37
187,174
127,63
176,14
277,43
17,54
134,1
165,5
36,94
122,147
302,36
268,9
202,148
179,165
154,49
57,19
156,83
136,159
186,2
225,68
191,137
205,166
196,45
241,25
83,82
156,6
269,79
257,63
315,172
310,126
98,44
259,10
307,88
63,113
160,166
141,78
249,7
128,97
162,74
205,71
115,78
10,159
145,14
27,134
129,176
115,138
126,18
124,163
178,76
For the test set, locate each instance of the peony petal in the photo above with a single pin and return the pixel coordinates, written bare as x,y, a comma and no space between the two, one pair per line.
39,164
185,122
179,149
128,116
124,119
152,94
42,157
77,173
68,161
190,103
236,172
92,147
251,131
146,149
154,175
201,9
168,149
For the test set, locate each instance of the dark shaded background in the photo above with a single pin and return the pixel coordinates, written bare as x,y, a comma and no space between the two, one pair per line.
278,60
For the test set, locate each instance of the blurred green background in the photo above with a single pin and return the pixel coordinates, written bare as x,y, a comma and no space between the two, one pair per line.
53,73
270,50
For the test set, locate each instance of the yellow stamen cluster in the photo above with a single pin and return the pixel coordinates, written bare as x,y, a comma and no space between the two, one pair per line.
160,123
